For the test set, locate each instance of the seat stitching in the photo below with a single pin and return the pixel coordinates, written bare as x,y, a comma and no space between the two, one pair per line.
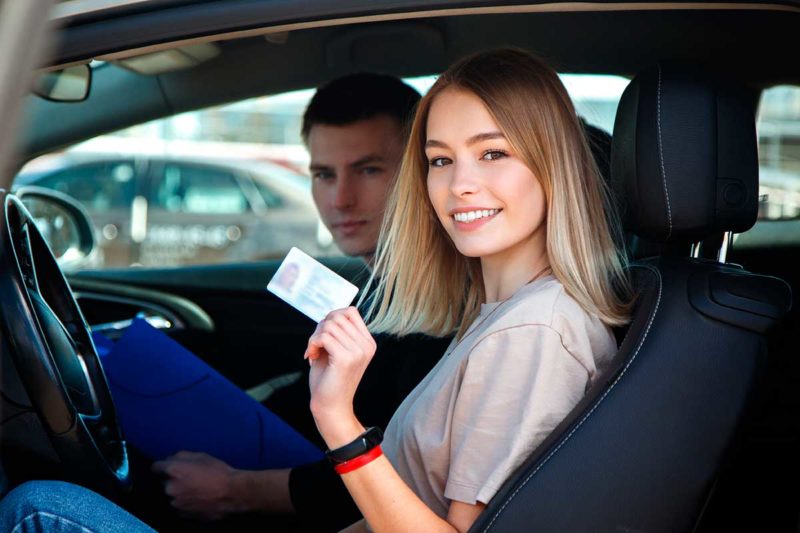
578,426
661,155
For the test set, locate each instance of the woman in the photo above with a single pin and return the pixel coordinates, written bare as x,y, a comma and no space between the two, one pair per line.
496,229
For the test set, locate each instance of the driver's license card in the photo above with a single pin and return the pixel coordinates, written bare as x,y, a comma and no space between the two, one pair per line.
310,287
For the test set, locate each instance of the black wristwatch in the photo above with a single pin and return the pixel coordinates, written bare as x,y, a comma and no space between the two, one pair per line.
365,442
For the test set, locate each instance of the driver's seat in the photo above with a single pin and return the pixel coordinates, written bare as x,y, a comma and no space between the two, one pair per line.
642,449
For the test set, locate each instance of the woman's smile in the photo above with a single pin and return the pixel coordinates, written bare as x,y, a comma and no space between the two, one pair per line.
472,218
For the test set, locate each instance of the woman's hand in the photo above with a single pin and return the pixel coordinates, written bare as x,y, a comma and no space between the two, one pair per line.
339,351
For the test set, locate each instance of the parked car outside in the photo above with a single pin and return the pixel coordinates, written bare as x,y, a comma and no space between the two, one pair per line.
169,211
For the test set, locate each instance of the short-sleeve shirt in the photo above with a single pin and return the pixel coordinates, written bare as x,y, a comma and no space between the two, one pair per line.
496,394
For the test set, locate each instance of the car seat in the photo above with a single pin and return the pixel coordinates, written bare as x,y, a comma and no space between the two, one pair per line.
641,450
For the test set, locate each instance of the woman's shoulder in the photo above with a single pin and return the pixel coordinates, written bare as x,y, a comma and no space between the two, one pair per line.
547,304
534,304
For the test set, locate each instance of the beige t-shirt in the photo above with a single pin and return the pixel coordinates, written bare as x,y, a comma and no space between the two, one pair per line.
494,396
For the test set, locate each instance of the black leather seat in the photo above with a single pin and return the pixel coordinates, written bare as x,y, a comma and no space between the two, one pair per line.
642,449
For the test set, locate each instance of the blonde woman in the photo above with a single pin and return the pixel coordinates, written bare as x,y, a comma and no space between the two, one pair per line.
496,229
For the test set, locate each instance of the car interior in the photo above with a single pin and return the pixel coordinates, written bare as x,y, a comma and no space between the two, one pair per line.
695,426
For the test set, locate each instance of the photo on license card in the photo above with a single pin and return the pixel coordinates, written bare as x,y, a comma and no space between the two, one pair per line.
310,287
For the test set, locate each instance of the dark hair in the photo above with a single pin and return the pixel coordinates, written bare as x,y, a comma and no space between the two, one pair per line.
358,97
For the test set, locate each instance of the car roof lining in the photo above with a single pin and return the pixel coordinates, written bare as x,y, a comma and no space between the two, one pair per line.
600,41
555,7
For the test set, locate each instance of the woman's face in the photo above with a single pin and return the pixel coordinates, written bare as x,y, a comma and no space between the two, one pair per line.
488,201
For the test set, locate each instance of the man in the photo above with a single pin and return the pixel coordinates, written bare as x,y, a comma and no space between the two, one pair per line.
355,129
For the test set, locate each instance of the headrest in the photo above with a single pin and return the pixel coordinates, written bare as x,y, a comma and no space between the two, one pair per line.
684,163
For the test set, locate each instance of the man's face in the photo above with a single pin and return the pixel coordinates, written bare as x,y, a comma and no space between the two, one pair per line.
352,168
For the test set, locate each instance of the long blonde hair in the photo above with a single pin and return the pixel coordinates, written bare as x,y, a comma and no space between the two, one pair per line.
424,284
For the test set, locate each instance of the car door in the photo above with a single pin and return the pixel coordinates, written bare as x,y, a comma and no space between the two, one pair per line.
223,313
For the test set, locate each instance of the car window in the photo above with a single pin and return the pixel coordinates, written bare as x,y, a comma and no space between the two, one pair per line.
198,190
778,129
100,187
779,153
224,184
595,96
271,198
245,159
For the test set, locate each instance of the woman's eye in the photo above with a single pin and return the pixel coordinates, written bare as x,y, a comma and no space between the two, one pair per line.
438,161
492,155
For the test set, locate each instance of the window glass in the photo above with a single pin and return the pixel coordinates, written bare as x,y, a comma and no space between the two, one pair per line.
595,96
779,153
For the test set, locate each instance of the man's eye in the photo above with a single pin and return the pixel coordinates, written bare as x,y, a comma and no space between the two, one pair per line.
369,171
322,175
492,155
439,161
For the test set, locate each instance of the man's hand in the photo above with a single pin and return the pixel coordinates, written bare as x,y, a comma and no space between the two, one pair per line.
200,485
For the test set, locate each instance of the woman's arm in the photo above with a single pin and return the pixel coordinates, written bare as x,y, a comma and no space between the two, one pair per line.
459,513
389,505
339,351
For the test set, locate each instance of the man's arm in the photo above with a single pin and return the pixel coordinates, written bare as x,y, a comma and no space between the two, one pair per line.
207,487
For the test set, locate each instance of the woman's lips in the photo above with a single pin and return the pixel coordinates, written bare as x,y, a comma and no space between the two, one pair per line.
350,227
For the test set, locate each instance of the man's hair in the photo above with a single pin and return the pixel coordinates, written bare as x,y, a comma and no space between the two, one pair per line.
359,97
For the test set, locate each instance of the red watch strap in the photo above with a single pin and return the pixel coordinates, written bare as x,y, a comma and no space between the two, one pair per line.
358,462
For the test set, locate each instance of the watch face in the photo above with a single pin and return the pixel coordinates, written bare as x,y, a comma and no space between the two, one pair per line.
373,436
365,442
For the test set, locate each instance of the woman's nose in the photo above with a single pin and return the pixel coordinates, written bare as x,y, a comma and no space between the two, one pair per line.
463,179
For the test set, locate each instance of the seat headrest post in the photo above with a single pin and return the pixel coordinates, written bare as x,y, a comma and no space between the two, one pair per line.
725,247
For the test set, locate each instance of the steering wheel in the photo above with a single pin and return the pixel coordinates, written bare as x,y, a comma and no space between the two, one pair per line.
54,357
